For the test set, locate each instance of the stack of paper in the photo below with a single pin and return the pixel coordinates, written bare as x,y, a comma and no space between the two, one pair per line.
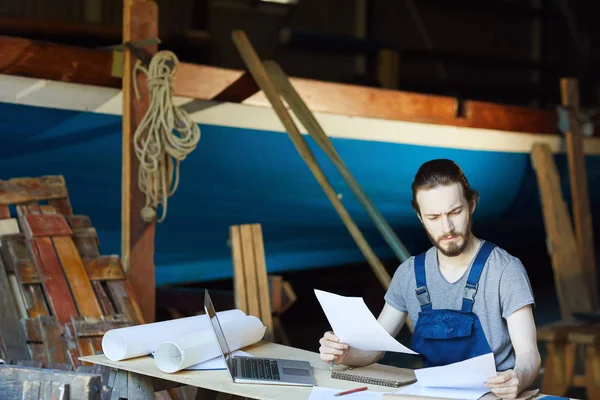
182,343
461,380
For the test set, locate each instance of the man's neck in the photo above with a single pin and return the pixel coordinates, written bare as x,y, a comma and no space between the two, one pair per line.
462,260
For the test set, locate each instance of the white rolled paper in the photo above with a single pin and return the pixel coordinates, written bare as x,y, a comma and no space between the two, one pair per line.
183,352
140,340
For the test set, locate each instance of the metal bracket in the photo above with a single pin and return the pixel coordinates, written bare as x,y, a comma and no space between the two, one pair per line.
584,119
136,48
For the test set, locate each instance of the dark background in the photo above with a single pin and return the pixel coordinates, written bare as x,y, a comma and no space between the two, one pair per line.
496,50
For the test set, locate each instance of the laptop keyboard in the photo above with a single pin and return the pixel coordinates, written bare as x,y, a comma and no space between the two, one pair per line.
259,368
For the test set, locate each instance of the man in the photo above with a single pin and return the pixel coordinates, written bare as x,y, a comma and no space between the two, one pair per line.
466,296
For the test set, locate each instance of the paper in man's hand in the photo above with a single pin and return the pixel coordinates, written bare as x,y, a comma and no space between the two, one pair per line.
355,325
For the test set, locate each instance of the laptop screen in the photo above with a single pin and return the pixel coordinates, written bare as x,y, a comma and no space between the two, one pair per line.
220,336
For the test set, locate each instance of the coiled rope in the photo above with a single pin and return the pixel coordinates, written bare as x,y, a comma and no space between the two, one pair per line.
164,137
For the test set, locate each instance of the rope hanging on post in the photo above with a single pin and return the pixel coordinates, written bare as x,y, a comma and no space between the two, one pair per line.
164,137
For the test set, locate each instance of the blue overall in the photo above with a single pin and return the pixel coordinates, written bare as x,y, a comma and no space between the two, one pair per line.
443,337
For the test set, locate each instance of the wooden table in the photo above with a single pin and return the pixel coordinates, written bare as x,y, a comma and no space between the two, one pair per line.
141,368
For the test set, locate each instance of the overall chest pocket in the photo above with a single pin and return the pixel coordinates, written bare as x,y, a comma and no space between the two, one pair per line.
444,325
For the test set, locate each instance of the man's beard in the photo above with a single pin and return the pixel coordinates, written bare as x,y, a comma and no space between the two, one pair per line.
453,249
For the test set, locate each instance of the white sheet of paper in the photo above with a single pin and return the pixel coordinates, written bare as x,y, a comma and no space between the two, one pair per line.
468,374
446,393
321,393
355,325
217,362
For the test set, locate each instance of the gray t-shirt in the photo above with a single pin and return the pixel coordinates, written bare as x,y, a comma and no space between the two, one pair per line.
504,287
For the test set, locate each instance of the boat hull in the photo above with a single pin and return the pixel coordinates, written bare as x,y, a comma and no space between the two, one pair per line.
244,174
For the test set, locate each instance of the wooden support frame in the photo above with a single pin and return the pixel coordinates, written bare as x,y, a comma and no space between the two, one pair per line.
582,218
140,22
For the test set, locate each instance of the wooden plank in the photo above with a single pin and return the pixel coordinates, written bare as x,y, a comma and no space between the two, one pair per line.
86,241
124,301
36,301
262,280
79,222
31,390
9,226
582,217
103,299
85,346
28,273
56,62
38,354
52,338
33,208
139,386
17,291
87,327
46,225
14,250
93,67
31,327
4,211
53,280
76,275
275,291
239,276
47,209
249,261
140,22
104,268
62,205
83,386
25,190
71,342
13,337
572,290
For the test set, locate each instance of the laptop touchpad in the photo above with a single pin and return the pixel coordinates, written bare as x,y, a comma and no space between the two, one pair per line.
295,371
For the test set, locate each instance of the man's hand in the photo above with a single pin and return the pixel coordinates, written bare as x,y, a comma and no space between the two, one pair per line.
331,349
506,385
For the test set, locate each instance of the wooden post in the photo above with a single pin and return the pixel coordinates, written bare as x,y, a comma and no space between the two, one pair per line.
582,218
140,21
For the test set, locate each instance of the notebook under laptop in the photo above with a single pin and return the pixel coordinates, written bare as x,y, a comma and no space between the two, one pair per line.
272,371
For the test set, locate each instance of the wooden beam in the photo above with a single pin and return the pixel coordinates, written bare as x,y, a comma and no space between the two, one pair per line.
571,287
22,57
140,22
582,218
43,60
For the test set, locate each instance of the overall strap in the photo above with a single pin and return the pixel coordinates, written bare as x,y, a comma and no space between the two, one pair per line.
475,274
421,290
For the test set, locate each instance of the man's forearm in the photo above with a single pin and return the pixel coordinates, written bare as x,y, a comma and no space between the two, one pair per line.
528,367
360,358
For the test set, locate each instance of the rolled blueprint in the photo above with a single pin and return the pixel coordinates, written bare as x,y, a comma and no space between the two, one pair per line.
183,352
140,340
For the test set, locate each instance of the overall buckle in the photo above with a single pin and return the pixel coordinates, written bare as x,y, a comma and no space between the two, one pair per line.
470,291
423,296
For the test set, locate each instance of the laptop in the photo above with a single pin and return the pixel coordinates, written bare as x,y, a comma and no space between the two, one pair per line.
271,371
